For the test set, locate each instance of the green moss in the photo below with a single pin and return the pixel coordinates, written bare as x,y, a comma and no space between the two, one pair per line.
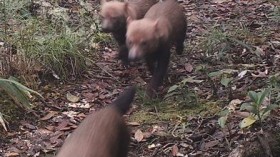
163,111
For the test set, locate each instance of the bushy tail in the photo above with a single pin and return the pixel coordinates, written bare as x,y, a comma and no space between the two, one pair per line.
123,102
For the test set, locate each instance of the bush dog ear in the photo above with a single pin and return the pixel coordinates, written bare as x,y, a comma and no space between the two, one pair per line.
128,20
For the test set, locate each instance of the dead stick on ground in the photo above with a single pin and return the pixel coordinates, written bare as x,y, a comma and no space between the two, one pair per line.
107,72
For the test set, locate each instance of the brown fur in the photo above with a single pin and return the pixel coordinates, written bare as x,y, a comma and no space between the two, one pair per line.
114,15
101,134
152,37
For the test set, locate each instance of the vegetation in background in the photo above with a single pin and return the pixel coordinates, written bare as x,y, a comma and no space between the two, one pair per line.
53,38
38,39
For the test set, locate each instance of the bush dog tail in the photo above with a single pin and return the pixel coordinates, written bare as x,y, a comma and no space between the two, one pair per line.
124,100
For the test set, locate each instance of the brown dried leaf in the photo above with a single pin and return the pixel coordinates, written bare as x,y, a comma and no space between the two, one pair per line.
62,125
175,150
51,128
220,1
147,134
233,104
29,126
72,98
49,115
44,131
11,154
139,135
188,67
211,144
133,123
261,74
242,114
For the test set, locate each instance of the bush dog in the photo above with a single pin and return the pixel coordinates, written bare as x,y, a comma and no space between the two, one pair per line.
113,20
152,37
102,134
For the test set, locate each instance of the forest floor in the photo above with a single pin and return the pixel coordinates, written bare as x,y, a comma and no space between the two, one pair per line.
232,47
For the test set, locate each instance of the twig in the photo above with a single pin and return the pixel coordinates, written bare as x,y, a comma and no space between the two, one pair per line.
107,72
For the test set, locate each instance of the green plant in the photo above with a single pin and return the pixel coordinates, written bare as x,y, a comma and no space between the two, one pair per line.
182,93
274,85
259,108
56,39
19,93
225,77
213,42
59,51
3,121
220,43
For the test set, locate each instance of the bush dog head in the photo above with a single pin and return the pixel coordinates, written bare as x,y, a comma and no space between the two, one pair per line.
114,14
102,134
144,36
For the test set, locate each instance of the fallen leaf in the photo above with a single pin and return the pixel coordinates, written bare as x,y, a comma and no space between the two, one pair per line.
11,154
133,123
56,137
71,114
147,135
276,44
247,122
151,146
222,121
62,125
225,81
175,150
242,74
233,104
185,145
44,131
220,1
191,80
211,144
139,135
260,74
194,18
29,126
189,67
49,115
102,96
259,51
72,98
242,114
172,88
79,105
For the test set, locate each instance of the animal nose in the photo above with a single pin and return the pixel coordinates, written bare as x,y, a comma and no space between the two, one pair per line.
133,54
104,29
104,26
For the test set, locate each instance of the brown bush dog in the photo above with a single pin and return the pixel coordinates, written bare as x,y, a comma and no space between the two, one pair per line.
102,134
113,20
152,37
